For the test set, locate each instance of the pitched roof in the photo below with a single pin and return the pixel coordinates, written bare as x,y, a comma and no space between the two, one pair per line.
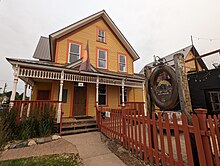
185,51
42,50
102,14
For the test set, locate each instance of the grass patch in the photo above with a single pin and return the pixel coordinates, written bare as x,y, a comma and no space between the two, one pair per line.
50,160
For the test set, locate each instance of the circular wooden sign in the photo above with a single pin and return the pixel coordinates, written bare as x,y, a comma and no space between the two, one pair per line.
163,87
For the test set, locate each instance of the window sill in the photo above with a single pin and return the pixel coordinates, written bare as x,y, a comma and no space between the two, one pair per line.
102,68
101,42
101,106
123,72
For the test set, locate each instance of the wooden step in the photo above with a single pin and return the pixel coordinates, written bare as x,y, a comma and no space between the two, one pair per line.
78,131
79,125
79,121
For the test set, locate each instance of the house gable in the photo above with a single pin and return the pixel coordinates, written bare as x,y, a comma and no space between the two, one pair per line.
80,36
189,53
82,23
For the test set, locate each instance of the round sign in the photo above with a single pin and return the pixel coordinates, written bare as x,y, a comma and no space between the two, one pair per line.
163,87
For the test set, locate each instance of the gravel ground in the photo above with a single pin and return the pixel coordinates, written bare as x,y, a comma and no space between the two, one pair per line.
128,158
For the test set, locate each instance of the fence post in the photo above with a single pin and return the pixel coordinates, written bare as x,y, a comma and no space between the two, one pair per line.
124,127
201,114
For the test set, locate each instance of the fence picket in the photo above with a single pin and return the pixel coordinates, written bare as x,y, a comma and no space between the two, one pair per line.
150,151
187,140
139,133
155,139
217,126
212,131
200,150
163,155
143,120
135,133
170,147
132,132
177,139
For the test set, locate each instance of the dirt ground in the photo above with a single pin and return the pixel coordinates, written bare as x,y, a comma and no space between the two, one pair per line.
128,158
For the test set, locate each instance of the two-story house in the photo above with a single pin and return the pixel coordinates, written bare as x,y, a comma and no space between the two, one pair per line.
85,64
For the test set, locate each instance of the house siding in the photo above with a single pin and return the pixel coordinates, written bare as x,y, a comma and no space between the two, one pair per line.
191,64
90,33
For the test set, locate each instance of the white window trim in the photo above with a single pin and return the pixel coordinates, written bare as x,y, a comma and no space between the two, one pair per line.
69,50
122,63
102,59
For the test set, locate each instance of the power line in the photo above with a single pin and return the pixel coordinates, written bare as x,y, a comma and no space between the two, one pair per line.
209,39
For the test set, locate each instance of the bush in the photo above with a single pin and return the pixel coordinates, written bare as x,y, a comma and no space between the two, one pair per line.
39,124
8,125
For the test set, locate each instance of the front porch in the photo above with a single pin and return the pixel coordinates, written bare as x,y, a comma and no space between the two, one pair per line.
77,92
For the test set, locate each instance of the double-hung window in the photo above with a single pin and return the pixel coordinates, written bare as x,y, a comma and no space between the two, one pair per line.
102,94
102,59
74,52
125,95
122,63
101,35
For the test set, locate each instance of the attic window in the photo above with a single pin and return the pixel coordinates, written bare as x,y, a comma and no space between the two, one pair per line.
101,35
74,52
122,63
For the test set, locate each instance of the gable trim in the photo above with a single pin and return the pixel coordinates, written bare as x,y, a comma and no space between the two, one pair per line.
102,14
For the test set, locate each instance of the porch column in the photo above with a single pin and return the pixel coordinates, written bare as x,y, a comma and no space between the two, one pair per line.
23,99
29,104
14,89
97,90
143,93
123,92
60,98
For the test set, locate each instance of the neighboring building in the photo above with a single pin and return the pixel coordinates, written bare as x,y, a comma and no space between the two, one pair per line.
189,53
205,90
87,63
205,87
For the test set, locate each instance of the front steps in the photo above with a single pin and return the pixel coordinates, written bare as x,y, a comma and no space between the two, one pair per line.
78,124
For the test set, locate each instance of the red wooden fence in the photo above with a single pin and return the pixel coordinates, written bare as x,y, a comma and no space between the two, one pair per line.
161,140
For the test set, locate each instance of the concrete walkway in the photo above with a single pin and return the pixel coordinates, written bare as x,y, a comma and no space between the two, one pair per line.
92,150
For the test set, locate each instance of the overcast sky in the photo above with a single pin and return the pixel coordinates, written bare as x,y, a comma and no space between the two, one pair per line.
153,27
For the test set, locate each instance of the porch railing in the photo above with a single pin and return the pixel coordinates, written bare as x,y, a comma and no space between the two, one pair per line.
25,108
161,141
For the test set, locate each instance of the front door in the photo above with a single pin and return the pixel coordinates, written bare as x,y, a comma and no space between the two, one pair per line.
79,103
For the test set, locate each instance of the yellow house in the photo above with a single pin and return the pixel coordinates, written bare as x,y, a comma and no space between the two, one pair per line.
85,64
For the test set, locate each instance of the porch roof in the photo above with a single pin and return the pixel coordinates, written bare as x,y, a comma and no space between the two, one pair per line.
73,68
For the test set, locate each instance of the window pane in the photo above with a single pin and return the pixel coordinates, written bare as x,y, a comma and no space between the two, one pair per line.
102,54
122,59
101,39
102,64
102,100
102,94
122,67
101,33
73,57
74,48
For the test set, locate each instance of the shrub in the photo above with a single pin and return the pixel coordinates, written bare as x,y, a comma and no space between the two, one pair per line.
40,123
8,125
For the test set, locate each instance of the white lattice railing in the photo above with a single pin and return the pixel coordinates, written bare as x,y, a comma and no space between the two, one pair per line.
33,73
